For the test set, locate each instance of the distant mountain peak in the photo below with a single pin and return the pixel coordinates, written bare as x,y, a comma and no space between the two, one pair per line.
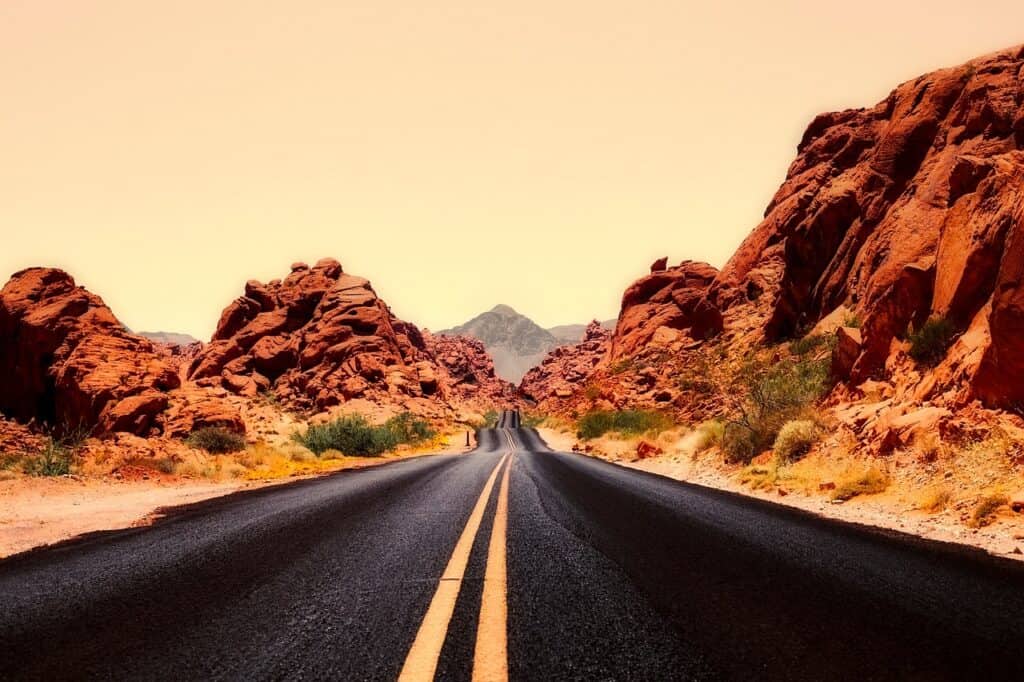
516,342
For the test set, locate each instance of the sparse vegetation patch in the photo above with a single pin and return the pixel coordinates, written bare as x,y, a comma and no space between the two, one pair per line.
867,482
216,440
928,345
596,423
984,512
796,438
354,435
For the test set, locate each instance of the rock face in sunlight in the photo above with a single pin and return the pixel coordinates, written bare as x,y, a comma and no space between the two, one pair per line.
903,220
904,211
567,367
321,337
466,370
66,360
667,299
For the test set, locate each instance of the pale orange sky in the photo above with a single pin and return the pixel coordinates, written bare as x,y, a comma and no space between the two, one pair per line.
457,153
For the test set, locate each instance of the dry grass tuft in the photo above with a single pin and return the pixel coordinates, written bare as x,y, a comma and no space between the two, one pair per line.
708,435
934,499
984,512
761,476
796,438
869,481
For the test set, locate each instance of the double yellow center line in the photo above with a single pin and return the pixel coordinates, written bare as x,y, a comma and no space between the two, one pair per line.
490,658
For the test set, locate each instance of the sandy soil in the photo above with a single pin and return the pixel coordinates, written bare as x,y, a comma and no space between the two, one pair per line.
43,511
891,510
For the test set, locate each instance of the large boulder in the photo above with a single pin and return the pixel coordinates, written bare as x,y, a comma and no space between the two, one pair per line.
671,298
65,359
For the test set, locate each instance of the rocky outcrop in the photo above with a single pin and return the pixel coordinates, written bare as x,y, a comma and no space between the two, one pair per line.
464,371
908,210
321,337
893,215
316,338
566,368
671,299
65,359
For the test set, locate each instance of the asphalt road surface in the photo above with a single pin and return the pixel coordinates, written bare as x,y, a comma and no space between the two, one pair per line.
512,561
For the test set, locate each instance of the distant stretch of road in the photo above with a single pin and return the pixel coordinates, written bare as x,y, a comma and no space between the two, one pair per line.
514,562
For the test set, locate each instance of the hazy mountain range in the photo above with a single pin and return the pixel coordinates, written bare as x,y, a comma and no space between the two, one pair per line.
515,342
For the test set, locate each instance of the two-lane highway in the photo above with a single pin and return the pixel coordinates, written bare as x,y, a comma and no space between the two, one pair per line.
509,561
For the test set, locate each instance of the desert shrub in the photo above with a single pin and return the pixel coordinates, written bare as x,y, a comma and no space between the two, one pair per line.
303,455
9,461
867,482
216,440
935,499
796,438
928,345
490,419
407,428
596,423
592,392
852,320
53,460
984,512
354,435
164,465
709,434
771,396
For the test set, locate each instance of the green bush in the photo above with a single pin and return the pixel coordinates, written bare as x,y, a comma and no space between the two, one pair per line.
627,422
929,344
54,460
354,435
490,419
810,343
796,438
216,440
771,396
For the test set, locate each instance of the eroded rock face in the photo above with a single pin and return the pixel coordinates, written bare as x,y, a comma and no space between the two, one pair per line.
669,298
65,359
321,337
910,209
566,368
890,215
464,371
316,338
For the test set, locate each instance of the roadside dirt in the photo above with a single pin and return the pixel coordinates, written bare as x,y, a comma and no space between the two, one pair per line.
43,511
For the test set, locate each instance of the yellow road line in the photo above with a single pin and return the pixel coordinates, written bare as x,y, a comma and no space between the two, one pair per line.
421,662
490,660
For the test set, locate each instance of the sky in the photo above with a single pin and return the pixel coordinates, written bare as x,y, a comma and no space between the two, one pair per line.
459,154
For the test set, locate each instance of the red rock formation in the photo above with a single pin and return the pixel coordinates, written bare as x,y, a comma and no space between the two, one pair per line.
671,298
65,359
465,371
912,208
321,337
908,210
565,368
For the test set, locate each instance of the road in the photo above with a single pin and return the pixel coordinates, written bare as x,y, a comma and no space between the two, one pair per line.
511,561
